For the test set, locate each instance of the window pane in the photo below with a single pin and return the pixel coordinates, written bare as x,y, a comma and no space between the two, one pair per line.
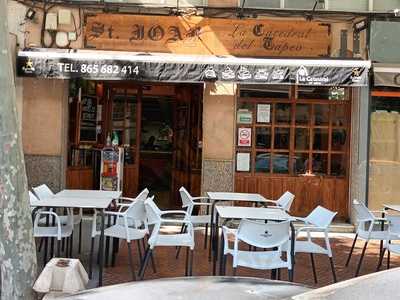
321,115
311,92
282,138
320,164
321,139
129,156
303,4
263,162
280,163
302,139
301,163
339,137
359,5
263,137
264,91
338,165
262,3
339,115
282,113
303,114
385,5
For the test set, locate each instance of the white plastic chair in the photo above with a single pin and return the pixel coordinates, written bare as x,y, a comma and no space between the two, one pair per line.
158,218
284,202
365,230
43,192
393,232
130,224
318,220
189,203
271,235
58,231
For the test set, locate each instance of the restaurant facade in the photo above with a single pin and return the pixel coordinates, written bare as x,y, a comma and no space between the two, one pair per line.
254,103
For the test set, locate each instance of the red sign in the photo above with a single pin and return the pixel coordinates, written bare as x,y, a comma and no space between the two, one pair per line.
244,137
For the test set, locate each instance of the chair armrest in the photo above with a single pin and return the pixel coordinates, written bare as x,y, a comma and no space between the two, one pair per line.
165,212
202,203
269,201
274,207
114,213
125,199
180,221
309,228
200,198
40,212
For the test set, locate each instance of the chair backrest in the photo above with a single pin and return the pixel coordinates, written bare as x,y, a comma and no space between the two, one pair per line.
285,201
186,198
43,192
143,195
362,212
263,235
32,198
394,224
153,213
136,209
321,217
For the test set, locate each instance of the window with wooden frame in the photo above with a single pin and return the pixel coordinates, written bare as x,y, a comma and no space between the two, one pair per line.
293,130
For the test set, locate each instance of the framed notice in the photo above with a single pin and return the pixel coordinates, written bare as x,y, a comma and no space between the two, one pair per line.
244,137
263,113
243,162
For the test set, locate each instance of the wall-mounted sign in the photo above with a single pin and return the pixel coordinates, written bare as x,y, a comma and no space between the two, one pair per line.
263,113
243,162
244,116
244,137
212,36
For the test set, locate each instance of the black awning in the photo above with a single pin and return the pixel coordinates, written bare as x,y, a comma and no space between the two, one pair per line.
165,67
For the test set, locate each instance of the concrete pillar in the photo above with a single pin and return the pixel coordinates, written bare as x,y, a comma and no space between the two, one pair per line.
218,137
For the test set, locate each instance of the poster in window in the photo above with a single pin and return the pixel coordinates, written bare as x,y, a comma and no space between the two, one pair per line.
243,162
263,113
244,137
244,116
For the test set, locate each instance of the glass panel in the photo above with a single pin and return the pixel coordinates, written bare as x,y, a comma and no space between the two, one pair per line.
339,115
118,108
321,115
302,138
311,92
301,163
321,139
338,165
339,137
261,3
320,164
303,4
245,113
263,162
282,138
386,5
282,113
303,113
359,5
129,156
264,91
263,137
280,163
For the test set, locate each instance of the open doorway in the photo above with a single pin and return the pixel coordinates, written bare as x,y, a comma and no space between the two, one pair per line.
158,125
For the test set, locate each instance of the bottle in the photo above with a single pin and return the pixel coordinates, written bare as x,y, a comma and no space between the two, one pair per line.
115,141
108,140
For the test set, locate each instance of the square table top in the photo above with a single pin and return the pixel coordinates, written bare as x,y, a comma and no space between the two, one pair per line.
222,196
260,213
392,207
76,199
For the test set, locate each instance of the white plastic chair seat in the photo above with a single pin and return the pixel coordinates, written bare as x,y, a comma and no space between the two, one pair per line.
309,247
182,239
63,220
374,235
131,223
201,219
52,231
261,260
119,231
393,248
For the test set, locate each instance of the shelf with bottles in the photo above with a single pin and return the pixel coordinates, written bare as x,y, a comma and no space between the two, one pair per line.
80,156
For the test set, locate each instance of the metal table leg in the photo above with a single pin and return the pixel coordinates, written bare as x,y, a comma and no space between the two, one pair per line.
210,253
101,249
292,242
215,239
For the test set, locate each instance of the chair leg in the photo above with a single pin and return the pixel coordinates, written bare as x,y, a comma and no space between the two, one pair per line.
71,244
58,248
313,267
45,252
191,263
351,250
139,250
291,275
187,262
333,269
361,259
279,274
63,245
178,250
381,255
91,258
80,238
144,263
206,236
131,261
114,251
66,246
388,260
40,245
153,265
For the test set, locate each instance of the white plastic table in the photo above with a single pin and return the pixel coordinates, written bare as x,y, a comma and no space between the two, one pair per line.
94,199
254,213
226,196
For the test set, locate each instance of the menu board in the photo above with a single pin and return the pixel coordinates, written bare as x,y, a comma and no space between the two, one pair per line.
88,119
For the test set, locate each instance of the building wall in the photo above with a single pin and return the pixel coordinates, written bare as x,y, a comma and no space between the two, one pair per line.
218,137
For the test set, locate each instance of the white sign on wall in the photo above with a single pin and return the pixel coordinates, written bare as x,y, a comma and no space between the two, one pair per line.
263,113
243,162
244,137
